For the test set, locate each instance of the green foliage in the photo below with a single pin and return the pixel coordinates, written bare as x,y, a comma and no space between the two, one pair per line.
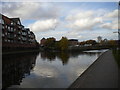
93,42
64,57
109,42
57,45
116,54
112,42
50,43
63,44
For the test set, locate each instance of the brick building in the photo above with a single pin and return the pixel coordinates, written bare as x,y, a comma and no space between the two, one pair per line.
15,35
73,42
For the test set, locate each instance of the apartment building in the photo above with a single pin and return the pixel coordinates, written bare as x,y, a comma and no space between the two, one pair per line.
14,34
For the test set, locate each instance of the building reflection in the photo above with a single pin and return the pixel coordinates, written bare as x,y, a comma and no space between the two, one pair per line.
15,67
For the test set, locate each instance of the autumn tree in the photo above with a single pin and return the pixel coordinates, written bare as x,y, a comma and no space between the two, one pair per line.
63,43
50,43
112,42
93,42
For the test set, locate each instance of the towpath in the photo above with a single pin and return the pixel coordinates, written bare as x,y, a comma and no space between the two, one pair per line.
103,73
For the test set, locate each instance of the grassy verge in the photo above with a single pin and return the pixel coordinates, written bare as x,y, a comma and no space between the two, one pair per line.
116,54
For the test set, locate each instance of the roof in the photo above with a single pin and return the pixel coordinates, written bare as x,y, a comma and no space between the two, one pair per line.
27,29
15,20
73,40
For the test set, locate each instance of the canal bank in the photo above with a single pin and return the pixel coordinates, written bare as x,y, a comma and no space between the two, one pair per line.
103,73
19,52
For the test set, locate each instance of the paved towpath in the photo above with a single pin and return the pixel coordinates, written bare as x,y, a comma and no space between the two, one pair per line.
103,73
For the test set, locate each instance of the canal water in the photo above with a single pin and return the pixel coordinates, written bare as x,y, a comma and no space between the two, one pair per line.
45,69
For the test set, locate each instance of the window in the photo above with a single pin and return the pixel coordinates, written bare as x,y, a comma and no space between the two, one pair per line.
0,20
8,28
11,23
5,40
3,34
11,41
8,40
15,35
18,22
14,23
3,27
11,29
6,33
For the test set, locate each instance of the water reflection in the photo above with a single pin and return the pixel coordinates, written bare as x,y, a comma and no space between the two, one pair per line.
47,68
64,56
15,67
51,56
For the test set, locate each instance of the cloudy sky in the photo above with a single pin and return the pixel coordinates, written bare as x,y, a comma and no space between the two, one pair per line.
74,20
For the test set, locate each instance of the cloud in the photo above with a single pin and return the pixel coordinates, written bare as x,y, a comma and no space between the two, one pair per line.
84,20
71,20
110,20
44,25
30,10
113,14
110,25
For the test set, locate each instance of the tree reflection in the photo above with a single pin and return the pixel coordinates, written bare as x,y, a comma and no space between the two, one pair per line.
51,56
15,67
48,55
64,56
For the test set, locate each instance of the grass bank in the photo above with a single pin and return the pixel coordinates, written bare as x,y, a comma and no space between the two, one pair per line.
116,53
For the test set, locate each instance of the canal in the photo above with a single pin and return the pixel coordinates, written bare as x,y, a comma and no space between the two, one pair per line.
45,69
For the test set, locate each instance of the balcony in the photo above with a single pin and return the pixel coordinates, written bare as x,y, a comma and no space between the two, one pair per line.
29,36
19,38
24,39
3,27
12,24
10,36
24,34
19,27
10,30
19,32
3,35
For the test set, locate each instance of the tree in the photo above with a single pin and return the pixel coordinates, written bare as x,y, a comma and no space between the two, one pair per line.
93,42
82,43
112,42
50,43
63,43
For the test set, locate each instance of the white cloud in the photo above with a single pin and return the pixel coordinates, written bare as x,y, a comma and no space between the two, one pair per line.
30,10
110,25
44,25
83,20
88,20
79,15
113,14
70,21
